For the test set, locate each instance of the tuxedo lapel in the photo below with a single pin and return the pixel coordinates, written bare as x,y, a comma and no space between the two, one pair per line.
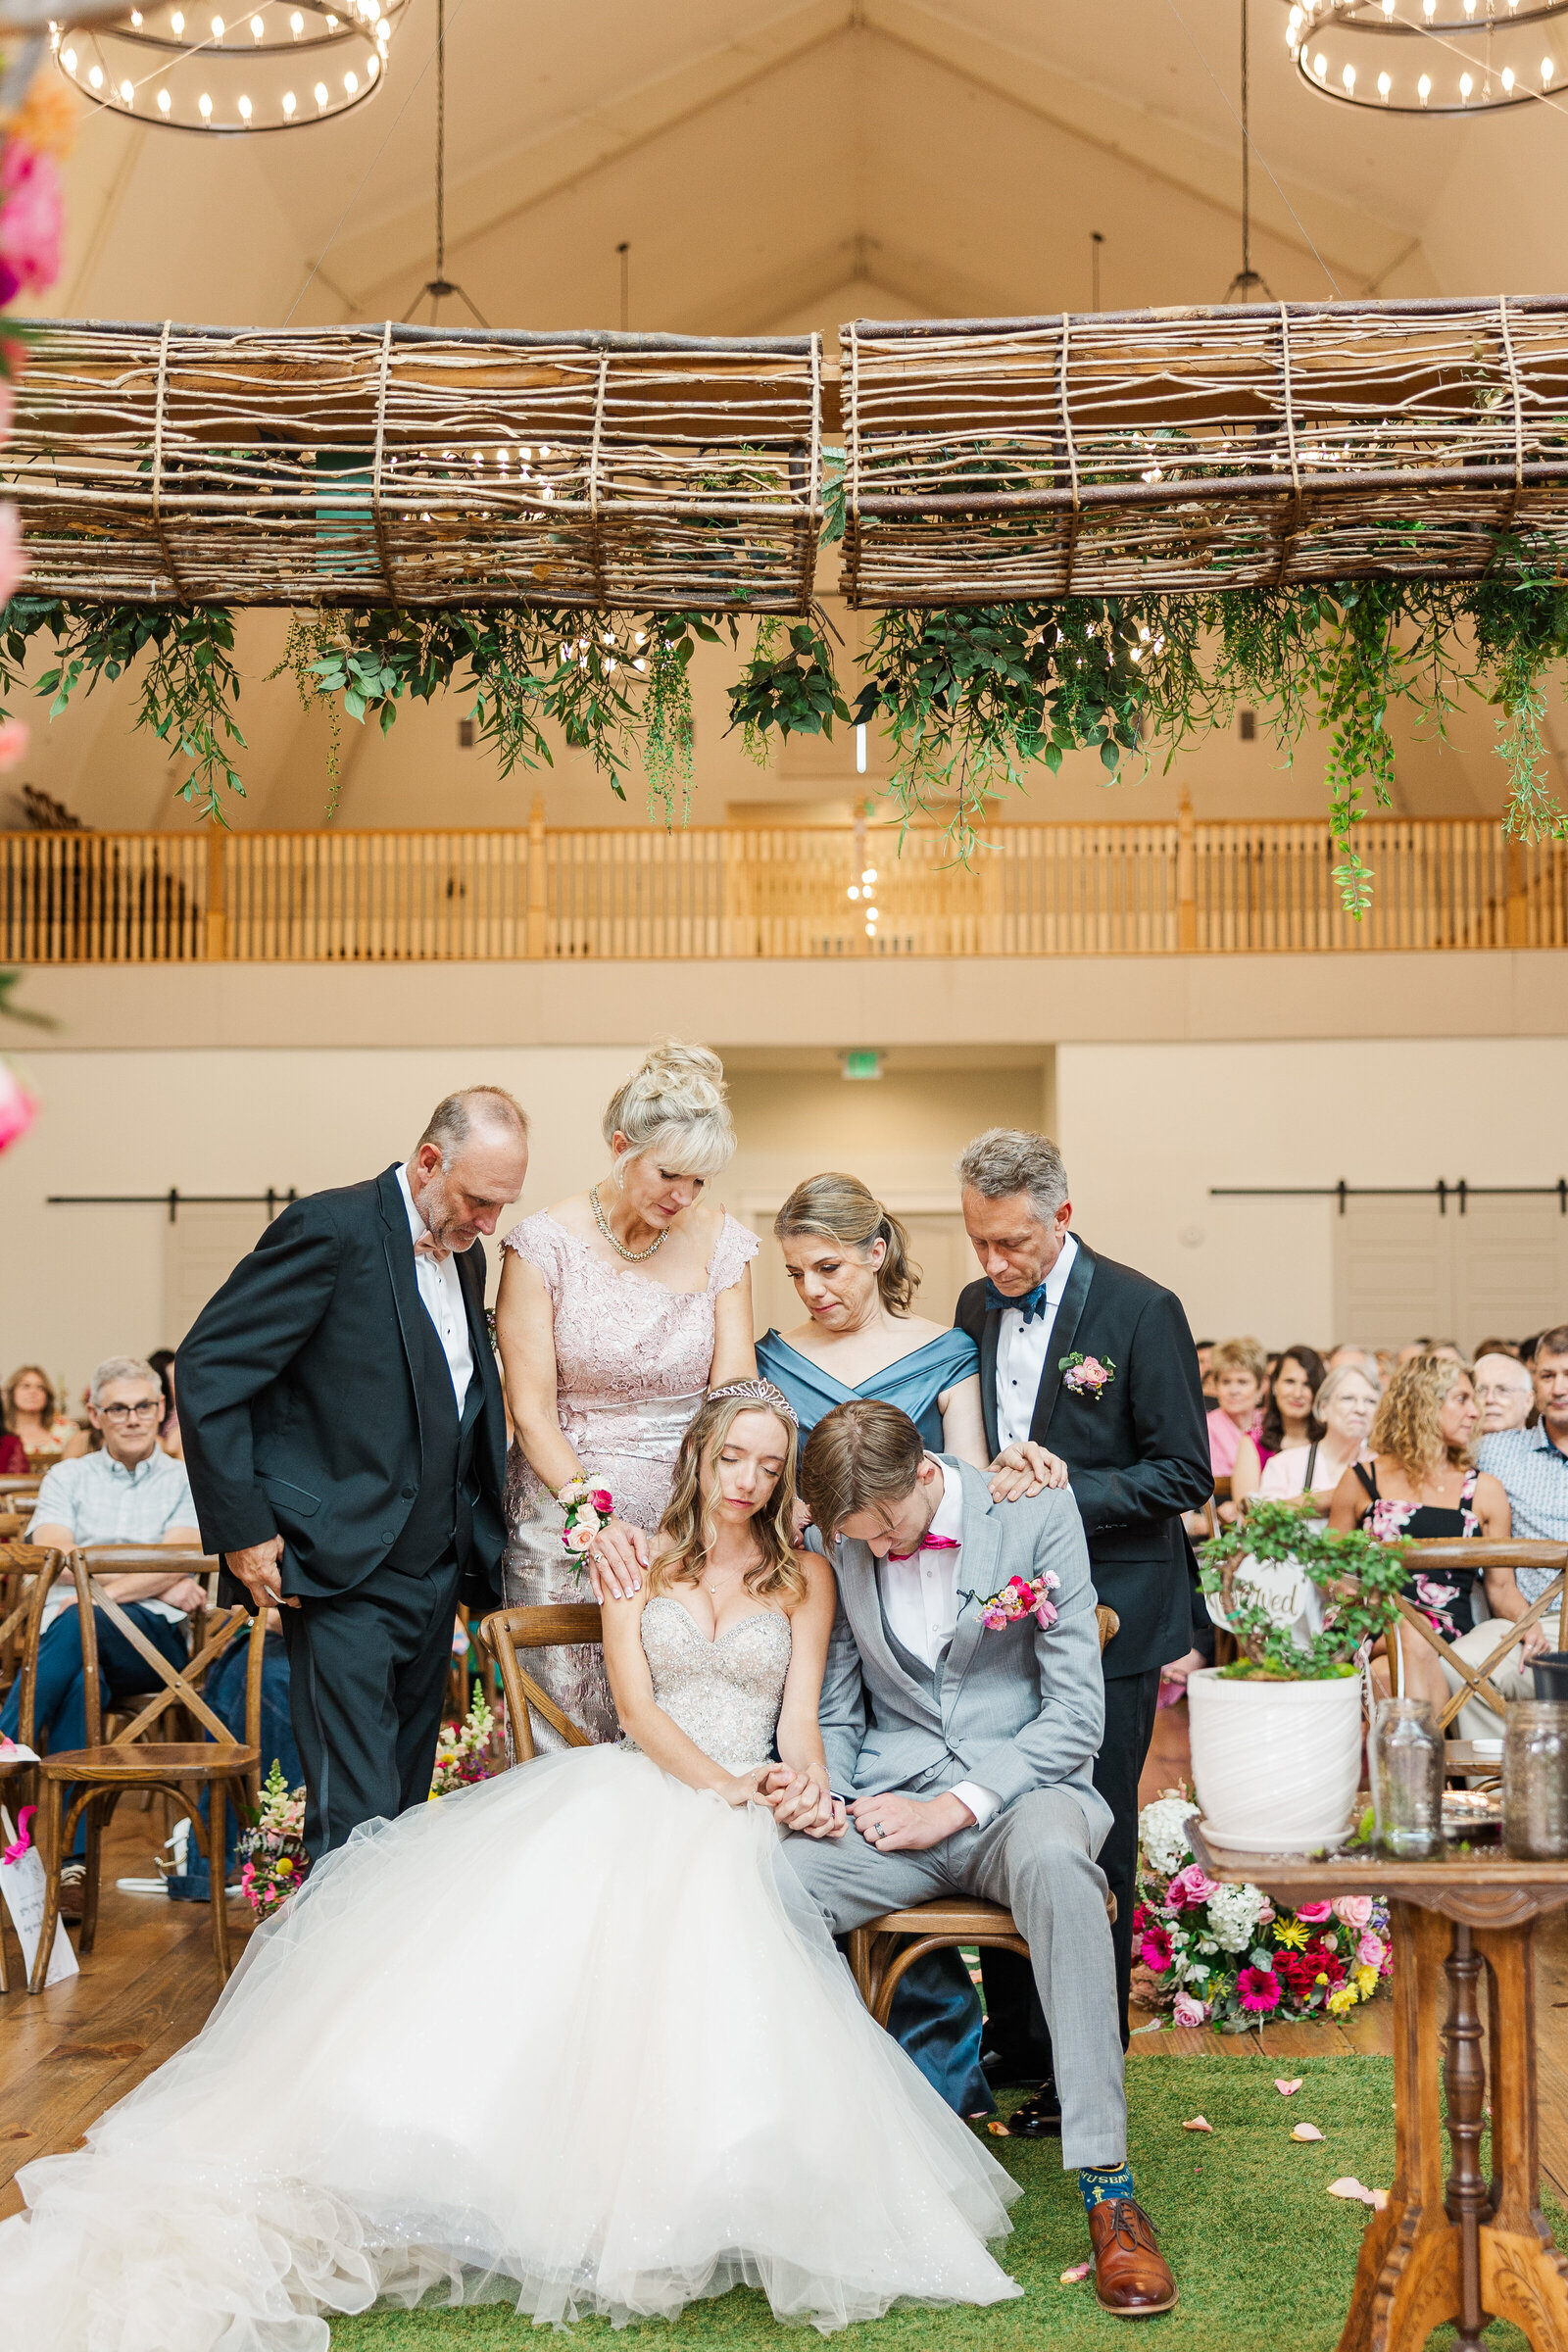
486,1381
979,1573
862,1605
399,1248
1063,1334
990,1332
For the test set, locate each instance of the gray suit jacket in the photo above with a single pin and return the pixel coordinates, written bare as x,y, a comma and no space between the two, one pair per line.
1015,1710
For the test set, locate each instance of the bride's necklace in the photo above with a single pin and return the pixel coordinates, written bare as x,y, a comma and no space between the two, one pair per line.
602,1223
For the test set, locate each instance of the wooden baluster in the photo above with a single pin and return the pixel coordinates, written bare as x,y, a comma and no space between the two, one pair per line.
1464,2079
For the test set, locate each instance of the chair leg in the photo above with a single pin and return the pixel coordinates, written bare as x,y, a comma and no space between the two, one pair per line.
52,1799
218,1875
88,1930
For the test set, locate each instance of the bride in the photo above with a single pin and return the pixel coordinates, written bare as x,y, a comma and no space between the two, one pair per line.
678,2091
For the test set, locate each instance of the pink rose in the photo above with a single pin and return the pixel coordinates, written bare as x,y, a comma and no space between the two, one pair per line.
1314,1914
1187,2012
1370,1950
602,1500
18,1109
1354,1909
993,1619
30,217
577,1538
1190,1888
14,740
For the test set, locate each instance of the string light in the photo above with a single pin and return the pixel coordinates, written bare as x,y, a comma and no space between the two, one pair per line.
1438,57
232,78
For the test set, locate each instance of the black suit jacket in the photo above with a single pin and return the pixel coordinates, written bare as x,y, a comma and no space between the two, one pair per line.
1137,1454
299,1404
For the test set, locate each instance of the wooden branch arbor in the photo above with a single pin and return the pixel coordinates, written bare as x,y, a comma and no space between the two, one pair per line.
984,459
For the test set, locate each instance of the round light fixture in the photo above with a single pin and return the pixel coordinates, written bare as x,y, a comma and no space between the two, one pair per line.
189,67
1430,56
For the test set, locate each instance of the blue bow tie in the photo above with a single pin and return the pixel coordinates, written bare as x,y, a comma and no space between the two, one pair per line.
1033,1303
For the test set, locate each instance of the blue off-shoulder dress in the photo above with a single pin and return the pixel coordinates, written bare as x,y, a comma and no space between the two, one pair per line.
935,2011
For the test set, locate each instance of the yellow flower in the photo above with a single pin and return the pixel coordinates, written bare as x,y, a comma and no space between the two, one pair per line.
46,120
1366,1982
1343,1997
1291,1931
285,1868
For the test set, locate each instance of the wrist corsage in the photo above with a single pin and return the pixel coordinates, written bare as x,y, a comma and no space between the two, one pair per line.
588,1509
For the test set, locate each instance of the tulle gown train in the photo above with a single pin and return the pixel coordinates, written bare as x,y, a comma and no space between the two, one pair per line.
574,2038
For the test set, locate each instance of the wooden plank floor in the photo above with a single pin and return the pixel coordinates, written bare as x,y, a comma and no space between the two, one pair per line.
148,1987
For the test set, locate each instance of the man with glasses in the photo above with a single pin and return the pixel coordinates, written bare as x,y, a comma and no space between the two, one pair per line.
132,1492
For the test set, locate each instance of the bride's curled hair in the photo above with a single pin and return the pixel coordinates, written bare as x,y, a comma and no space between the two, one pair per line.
675,1104
840,1208
687,1526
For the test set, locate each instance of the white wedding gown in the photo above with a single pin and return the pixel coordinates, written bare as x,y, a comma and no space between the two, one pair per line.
574,2038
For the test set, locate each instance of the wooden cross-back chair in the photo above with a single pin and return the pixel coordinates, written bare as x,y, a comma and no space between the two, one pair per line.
90,1780
1430,1555
875,1959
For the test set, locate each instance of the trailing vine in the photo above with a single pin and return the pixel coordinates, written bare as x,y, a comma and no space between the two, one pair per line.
971,698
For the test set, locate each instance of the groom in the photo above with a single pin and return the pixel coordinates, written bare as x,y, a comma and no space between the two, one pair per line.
346,1445
969,1750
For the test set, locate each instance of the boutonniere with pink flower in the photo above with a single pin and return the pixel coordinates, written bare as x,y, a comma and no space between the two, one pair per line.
1085,1375
1020,1596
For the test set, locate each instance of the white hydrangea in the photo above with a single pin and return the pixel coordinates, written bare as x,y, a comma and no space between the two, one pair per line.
1163,1833
1232,1914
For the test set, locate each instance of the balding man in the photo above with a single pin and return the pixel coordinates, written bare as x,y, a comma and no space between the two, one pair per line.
1504,1390
345,1441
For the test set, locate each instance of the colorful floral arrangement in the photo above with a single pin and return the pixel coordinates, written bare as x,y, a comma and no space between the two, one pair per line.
588,1509
1221,1955
271,1850
465,1752
1085,1375
1018,1597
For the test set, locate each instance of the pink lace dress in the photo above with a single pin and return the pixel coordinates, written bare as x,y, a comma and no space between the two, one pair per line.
632,1365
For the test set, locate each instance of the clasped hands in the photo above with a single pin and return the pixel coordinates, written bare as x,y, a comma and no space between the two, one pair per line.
893,1824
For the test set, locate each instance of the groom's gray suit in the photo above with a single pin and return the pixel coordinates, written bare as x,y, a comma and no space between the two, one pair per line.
1017,1711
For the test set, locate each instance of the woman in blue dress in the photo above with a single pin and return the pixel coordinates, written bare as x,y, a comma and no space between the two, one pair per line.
848,1260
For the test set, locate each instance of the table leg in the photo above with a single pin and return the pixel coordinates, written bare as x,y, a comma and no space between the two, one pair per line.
1465,2078
1523,2277
1407,2277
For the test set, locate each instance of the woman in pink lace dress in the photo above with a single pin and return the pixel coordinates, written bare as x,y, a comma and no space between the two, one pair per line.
618,1310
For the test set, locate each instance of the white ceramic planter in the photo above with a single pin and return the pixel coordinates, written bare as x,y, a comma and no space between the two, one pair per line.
1275,1765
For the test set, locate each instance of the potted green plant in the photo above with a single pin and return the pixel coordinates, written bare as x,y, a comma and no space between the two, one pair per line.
1276,1736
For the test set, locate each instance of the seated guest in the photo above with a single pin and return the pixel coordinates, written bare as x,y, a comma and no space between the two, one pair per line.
1505,1391
1288,1417
162,1360
1422,1482
1365,1359
129,1492
1238,1368
1344,1408
1498,1347
1205,1350
32,1414
1449,1349
1531,1464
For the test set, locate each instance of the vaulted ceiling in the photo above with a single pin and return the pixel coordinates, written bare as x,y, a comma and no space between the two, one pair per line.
774,168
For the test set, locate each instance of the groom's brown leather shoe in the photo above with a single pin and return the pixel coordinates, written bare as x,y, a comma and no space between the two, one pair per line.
1132,2277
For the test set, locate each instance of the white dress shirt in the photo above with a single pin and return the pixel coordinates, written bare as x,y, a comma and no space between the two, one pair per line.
920,1599
442,1293
102,1502
1023,1349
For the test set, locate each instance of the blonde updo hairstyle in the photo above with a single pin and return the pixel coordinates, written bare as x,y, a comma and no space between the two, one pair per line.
839,1208
674,1106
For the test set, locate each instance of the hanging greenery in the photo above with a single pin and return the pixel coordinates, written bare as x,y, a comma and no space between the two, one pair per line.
971,698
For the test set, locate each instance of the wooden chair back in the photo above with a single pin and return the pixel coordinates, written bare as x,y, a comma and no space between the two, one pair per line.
1430,1555
506,1631
211,1633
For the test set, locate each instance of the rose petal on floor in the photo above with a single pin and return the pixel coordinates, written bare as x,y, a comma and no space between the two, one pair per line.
1306,2131
1075,2271
1379,2198
1352,2188
1286,2090
1197,2122
997,2129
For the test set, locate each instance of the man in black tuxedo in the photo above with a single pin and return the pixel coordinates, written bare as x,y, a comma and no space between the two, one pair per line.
1096,1363
345,1441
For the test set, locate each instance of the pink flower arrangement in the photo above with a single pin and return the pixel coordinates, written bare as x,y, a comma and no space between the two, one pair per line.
1259,1989
1190,1888
1356,1910
1155,1951
1018,1599
1085,1375
1314,1914
29,221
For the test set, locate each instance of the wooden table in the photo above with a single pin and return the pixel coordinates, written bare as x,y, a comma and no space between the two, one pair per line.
1469,2250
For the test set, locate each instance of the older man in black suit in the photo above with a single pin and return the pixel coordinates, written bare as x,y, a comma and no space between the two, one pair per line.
345,1440
1096,1362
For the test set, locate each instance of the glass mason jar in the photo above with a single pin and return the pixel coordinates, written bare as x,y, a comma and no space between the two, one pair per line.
1534,1779
1406,1757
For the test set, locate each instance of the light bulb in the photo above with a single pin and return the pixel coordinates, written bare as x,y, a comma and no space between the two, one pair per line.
1388,8
370,65
96,77
127,91
178,23
1547,68
854,890
1469,6
217,28
1321,65
1507,78
296,23
1466,85
162,101
1348,76
1385,85
869,874
321,93
288,104
1428,9
1296,19
257,28
70,61
136,16
245,110
205,105
1424,87
351,82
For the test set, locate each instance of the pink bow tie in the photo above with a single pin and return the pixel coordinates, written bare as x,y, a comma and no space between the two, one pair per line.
428,1246
931,1544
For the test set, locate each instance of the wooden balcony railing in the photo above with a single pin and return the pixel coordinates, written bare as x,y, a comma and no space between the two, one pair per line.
732,891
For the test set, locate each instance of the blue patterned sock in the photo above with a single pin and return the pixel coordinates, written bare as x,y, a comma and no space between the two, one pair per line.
1100,2182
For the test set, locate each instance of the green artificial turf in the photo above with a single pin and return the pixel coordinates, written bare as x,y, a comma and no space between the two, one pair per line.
1264,2256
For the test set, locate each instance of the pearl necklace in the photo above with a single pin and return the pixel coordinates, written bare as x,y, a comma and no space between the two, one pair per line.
602,1223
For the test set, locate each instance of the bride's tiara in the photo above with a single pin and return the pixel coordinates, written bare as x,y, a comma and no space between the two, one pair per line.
758,1392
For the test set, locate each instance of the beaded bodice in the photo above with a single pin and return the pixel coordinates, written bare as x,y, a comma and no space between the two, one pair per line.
724,1694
